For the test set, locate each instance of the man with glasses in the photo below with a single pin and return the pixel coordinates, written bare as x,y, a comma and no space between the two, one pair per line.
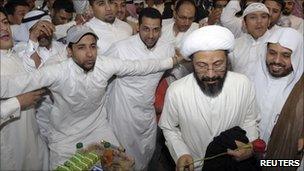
105,24
175,33
201,105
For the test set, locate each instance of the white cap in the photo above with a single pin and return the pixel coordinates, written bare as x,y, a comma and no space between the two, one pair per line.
255,7
207,38
78,31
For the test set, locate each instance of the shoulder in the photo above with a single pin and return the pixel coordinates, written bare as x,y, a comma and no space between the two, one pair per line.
238,80
182,85
129,42
123,24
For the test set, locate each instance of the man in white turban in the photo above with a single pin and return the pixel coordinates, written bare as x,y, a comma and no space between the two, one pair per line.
201,105
276,77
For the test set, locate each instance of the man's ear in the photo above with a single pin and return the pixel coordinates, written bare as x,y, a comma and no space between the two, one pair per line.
244,26
137,27
69,50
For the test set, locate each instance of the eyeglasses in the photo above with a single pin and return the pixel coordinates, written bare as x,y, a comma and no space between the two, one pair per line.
215,67
183,18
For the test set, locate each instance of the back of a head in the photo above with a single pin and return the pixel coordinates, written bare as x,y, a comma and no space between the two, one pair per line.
179,3
11,5
149,13
65,5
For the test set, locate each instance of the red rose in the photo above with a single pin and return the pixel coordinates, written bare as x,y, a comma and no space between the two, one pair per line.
259,146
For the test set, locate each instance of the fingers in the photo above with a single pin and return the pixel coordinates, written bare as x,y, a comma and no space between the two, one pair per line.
47,28
185,162
44,27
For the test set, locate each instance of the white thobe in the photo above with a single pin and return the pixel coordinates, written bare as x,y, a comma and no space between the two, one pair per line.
296,22
271,92
56,54
77,114
190,119
229,20
246,53
109,33
168,35
274,28
21,146
130,102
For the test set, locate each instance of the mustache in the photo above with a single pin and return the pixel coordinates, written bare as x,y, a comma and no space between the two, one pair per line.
211,78
276,64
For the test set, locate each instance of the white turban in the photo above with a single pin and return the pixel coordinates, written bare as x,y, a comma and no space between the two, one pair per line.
30,19
208,38
255,7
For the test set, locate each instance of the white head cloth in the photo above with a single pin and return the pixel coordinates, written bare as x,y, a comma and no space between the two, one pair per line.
23,34
271,104
208,38
255,7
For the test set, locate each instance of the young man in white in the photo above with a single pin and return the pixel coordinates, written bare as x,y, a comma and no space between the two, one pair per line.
249,46
133,118
105,24
78,86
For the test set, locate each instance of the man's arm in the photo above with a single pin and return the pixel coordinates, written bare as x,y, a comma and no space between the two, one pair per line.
13,85
229,20
169,123
11,108
250,125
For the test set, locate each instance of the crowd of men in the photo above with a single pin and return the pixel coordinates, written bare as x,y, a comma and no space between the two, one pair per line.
172,82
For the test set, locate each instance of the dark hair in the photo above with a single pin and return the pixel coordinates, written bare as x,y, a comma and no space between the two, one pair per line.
280,2
149,13
66,5
181,2
91,2
11,5
2,10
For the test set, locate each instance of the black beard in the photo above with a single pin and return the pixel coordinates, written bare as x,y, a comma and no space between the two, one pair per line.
86,70
211,90
45,41
285,73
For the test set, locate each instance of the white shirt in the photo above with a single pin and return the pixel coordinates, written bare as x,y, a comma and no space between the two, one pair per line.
109,33
130,102
77,114
296,22
190,119
56,54
21,146
246,53
168,34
